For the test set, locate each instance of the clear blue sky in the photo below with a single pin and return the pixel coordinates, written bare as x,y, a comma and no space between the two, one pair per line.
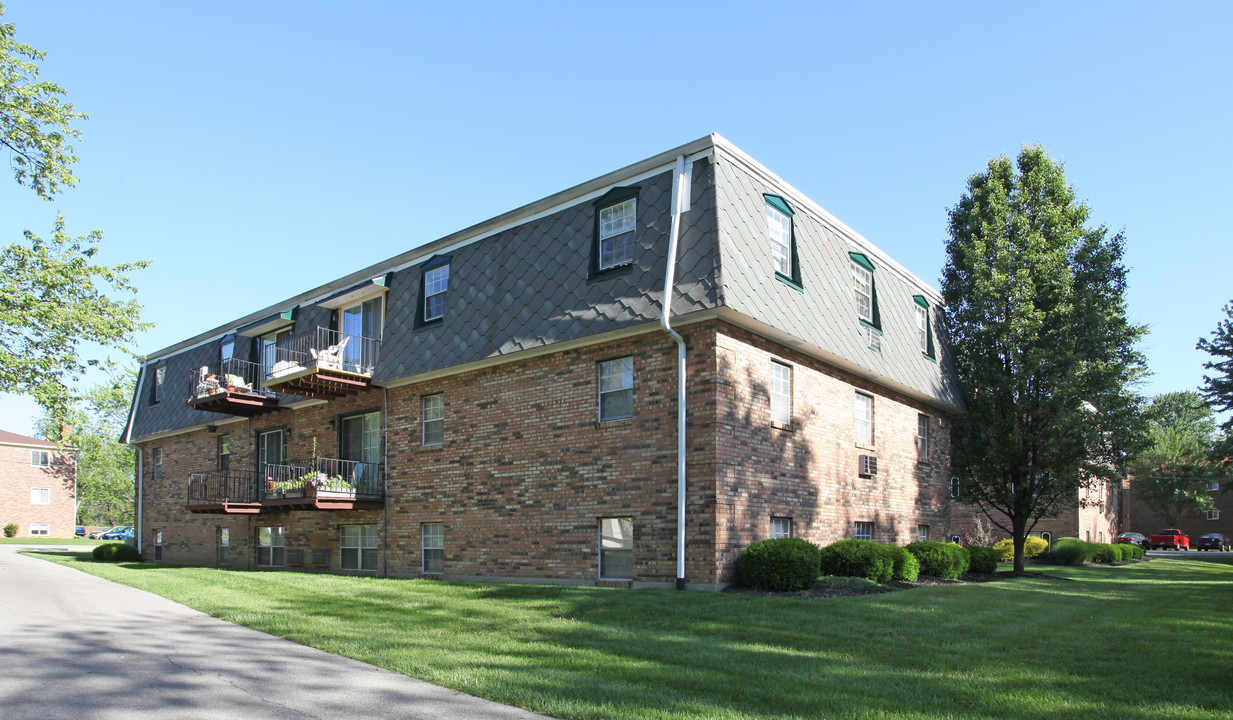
299,141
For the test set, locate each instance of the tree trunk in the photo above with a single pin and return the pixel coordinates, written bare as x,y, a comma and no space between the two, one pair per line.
1018,536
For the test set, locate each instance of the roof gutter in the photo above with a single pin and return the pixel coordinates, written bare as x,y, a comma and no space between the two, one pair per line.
681,184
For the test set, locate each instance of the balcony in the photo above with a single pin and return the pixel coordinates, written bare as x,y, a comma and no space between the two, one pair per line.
223,491
323,484
322,363
235,389
317,484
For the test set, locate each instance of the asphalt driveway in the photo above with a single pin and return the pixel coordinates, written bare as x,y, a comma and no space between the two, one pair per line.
79,647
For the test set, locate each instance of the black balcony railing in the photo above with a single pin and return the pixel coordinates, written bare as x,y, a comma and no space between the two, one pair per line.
323,349
222,486
322,478
230,375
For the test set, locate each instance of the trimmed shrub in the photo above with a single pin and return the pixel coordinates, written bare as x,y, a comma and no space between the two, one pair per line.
1132,552
859,558
906,566
983,559
11,529
1072,551
1106,553
944,560
779,565
1033,547
116,552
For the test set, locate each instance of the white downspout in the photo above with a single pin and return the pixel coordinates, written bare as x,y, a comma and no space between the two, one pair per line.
681,183
128,437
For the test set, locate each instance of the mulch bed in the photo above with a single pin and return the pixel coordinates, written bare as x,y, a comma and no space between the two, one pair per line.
827,590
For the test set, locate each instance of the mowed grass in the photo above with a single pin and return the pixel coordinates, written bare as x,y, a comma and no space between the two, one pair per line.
49,541
1142,641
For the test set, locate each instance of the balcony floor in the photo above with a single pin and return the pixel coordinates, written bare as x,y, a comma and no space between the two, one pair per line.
231,402
320,382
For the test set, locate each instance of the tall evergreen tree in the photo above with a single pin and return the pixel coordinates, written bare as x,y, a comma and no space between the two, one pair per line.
1217,387
1171,473
1035,302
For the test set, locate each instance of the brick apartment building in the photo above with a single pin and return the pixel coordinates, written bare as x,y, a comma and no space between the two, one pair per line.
1142,519
505,403
1096,517
38,487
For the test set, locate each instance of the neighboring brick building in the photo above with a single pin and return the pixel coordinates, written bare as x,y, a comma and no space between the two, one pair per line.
1142,519
38,486
1095,518
502,403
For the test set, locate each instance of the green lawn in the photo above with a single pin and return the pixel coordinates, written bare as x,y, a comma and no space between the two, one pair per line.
1081,643
48,541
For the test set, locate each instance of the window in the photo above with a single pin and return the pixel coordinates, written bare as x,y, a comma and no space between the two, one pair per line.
1213,514
40,496
864,531
782,237
433,541
1213,485
40,529
954,487
616,389
434,285
360,438
361,326
268,344
160,373
271,548
224,452
359,547
226,349
864,419
781,527
781,393
40,458
158,464
922,533
922,437
271,450
616,548
434,419
614,245
224,546
864,289
158,545
616,233
924,327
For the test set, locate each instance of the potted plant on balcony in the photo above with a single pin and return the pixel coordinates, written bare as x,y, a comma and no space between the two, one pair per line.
334,486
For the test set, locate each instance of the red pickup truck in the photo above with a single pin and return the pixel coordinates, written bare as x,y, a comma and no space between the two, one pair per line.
1170,539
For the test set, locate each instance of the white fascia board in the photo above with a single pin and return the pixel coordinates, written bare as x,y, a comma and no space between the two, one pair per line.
216,423
358,295
858,242
663,162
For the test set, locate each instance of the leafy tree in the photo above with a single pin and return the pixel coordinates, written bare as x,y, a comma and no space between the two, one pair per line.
104,465
36,124
1171,472
52,300
1218,387
1035,301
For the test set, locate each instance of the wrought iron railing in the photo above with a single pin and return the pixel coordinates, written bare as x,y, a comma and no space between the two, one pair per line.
230,375
322,477
222,486
323,348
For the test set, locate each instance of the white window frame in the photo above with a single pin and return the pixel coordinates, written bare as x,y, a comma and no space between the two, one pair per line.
862,415
922,437
781,393
160,374
863,531
954,487
224,546
436,284
616,376
781,527
224,452
40,529
617,223
432,540
432,419
40,458
779,232
40,496
922,533
1213,485
1213,514
922,328
358,548
158,545
158,463
616,544
272,542
862,290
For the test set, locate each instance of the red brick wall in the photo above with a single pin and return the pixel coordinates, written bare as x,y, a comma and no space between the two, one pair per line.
1095,518
17,476
526,471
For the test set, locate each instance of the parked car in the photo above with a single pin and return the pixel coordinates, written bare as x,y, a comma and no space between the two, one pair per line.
1132,538
79,531
116,533
99,533
1214,541
126,536
1171,538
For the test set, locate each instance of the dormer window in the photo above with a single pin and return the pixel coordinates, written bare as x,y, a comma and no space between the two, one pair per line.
863,288
616,233
924,326
782,239
434,288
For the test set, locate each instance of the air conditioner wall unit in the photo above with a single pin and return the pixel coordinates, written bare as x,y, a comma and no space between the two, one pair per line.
867,465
